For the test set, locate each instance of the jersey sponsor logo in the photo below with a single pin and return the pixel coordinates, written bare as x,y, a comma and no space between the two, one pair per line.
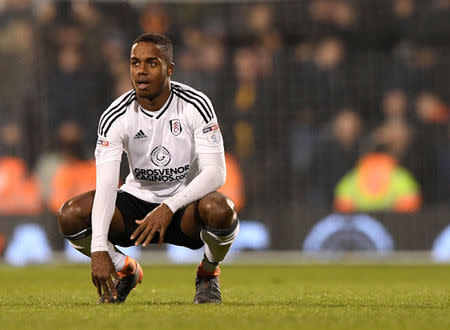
175,127
102,143
160,156
210,128
161,175
140,135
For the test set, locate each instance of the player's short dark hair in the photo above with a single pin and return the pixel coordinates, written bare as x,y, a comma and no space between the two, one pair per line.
162,41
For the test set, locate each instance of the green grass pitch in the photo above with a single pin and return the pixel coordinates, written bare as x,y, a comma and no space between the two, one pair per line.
254,297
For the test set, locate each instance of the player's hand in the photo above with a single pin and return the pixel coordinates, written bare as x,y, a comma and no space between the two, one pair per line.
156,221
102,269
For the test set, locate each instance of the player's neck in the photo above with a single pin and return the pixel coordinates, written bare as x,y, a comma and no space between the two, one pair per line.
155,103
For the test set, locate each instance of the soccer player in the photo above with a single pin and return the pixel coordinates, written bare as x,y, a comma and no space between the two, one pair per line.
176,159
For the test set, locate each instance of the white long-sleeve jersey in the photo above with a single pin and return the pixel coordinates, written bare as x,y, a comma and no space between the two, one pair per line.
163,148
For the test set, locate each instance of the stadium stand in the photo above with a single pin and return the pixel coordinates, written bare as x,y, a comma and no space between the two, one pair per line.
281,75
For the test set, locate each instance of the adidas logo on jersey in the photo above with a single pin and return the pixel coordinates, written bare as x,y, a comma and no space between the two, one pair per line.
140,135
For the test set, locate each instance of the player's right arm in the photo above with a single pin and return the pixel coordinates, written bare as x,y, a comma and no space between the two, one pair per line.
108,154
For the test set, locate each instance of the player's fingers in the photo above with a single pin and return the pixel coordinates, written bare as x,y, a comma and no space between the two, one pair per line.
97,285
149,237
105,290
114,274
99,288
137,231
112,288
162,233
143,235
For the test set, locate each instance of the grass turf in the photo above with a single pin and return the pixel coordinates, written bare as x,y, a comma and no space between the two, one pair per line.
257,297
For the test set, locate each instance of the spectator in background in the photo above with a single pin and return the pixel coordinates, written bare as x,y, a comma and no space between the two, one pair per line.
395,104
333,15
119,18
11,10
16,62
260,19
396,136
90,21
96,30
416,68
72,33
318,84
246,110
114,54
377,183
432,139
402,142
254,98
395,108
201,63
155,18
323,82
431,109
48,17
20,83
71,89
250,21
433,118
423,73
211,61
187,58
422,20
301,133
335,154
187,64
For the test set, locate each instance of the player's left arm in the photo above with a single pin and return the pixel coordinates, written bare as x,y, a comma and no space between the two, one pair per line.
212,173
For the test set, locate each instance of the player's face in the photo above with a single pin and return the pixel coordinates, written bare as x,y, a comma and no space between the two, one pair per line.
149,71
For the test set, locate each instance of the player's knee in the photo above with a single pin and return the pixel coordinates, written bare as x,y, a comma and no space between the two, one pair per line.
70,219
217,211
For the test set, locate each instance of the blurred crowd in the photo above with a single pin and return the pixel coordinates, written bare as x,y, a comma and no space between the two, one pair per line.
303,90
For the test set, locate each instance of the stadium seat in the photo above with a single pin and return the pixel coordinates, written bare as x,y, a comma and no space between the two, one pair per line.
72,178
19,193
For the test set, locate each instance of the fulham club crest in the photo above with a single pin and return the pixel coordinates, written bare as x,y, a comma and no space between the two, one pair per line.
175,127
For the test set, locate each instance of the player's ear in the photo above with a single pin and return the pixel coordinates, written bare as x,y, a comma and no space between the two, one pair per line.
170,69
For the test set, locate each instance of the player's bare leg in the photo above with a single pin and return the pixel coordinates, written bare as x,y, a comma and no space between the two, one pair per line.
215,219
74,219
